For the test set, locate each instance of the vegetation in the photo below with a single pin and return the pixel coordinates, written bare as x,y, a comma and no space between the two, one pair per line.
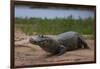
55,26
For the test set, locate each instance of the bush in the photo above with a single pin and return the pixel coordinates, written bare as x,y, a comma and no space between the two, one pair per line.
54,26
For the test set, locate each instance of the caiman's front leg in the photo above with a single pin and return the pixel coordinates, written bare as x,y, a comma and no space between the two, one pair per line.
62,50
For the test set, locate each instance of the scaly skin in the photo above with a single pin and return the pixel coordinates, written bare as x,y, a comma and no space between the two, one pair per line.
62,43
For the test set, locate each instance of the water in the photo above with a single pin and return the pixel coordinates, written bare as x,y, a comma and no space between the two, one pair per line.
52,13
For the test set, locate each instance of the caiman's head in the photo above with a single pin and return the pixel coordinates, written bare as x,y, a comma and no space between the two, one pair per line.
39,40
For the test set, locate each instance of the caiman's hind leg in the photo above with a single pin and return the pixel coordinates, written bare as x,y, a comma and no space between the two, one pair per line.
79,43
82,43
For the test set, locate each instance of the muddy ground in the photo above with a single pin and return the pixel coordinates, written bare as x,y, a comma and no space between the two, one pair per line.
28,54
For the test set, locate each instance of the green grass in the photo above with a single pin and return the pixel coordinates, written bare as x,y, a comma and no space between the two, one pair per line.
54,26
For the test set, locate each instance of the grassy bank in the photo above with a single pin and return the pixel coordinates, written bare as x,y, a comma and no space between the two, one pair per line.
32,26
